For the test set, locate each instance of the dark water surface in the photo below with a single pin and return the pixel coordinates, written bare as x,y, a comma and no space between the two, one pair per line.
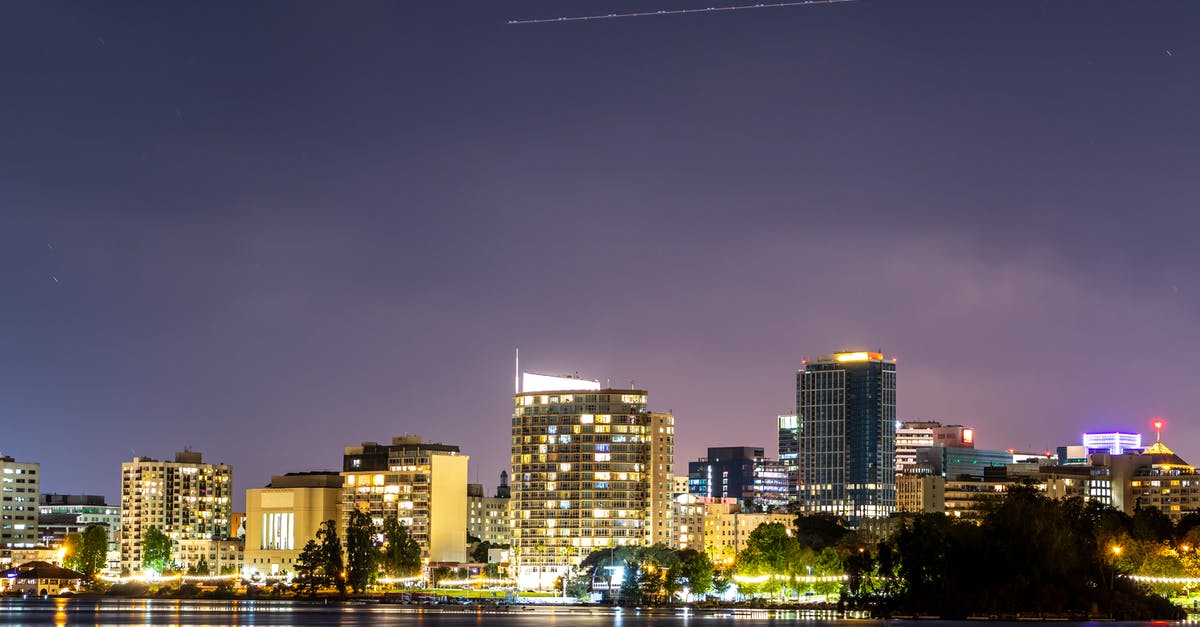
17,612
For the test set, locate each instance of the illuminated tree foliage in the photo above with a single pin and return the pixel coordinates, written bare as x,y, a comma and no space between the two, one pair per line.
156,550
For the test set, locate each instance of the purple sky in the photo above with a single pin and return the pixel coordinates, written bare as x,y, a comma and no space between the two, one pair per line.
269,230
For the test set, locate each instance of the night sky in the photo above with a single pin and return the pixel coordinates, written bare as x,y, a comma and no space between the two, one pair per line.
268,230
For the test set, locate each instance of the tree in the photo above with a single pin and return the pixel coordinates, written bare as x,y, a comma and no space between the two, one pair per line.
362,552
694,569
401,555
308,567
156,550
769,552
200,568
331,554
95,550
72,548
817,531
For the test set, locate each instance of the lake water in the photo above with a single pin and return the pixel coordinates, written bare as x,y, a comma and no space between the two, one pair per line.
207,612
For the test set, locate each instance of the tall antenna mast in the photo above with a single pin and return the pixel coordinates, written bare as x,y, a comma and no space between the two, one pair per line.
517,371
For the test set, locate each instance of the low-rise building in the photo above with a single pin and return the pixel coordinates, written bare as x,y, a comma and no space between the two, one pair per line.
283,516
210,557
41,578
727,528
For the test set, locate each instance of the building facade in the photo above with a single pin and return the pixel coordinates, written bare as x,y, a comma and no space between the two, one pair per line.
953,462
1112,442
742,473
789,452
660,431
225,556
585,474
727,528
488,516
186,499
846,408
914,435
19,489
422,484
282,517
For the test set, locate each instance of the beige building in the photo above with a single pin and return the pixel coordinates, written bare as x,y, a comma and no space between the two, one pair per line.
19,489
187,499
223,557
423,484
660,528
591,468
488,517
282,517
690,514
726,528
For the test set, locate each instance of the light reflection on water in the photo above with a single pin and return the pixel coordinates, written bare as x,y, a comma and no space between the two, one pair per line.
202,613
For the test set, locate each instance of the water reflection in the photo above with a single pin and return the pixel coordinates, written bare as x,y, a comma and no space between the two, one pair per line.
203,613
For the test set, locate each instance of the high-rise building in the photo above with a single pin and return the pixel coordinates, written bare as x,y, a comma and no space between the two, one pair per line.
660,470
186,499
846,408
282,517
789,451
742,473
19,482
914,435
423,484
585,473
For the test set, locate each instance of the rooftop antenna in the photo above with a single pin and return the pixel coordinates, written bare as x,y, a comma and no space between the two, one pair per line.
1158,424
517,371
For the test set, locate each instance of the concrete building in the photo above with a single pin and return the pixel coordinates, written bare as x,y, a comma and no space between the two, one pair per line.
283,516
591,468
1154,477
970,496
954,463
914,435
742,473
19,490
224,556
846,403
60,514
423,484
660,470
186,499
488,517
726,529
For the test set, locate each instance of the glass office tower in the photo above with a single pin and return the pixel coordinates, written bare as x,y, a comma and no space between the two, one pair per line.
846,408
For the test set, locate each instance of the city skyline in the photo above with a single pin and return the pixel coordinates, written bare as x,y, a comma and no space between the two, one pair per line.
227,225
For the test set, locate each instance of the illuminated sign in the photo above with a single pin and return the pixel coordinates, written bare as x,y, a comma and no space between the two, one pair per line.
968,436
531,382
859,356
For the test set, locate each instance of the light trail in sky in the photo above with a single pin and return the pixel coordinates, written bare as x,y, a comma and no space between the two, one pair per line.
739,7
